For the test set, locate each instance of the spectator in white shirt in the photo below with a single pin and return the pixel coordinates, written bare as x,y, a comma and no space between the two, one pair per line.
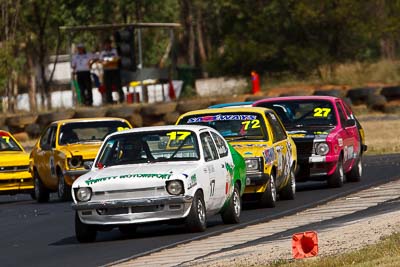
81,63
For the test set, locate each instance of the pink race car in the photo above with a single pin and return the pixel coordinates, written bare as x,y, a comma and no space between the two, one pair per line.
328,137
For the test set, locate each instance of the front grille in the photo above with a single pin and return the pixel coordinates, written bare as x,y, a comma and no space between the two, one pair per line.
130,193
14,168
304,147
128,210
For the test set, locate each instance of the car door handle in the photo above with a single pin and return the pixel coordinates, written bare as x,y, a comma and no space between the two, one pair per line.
223,166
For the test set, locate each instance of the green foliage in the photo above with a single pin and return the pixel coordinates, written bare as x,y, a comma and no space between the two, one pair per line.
293,38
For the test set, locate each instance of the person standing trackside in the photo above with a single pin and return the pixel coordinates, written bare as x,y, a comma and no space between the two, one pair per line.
111,73
81,63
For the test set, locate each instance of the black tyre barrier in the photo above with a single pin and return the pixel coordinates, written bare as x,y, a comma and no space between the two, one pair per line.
391,92
376,102
360,95
331,92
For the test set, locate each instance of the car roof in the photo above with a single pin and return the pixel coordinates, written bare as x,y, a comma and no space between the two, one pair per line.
227,110
185,127
87,120
292,98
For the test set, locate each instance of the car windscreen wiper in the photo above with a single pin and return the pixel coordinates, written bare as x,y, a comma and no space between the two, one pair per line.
244,137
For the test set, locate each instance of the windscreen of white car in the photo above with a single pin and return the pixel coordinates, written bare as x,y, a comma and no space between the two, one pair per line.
233,126
149,147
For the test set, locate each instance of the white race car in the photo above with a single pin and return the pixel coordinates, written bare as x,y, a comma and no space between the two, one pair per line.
156,174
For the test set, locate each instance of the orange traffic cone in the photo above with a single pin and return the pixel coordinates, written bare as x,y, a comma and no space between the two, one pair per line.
305,245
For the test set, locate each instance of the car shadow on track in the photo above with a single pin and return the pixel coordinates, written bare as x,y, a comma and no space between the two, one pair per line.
147,231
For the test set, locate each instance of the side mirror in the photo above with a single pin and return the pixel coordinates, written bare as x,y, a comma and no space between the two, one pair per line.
349,123
88,165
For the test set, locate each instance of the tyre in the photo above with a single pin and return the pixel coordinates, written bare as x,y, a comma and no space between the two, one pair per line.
194,104
232,213
171,118
337,178
255,98
21,120
227,99
289,191
2,121
347,101
127,229
296,93
21,136
360,95
331,92
33,130
136,120
158,109
90,112
268,198
41,193
392,108
391,92
63,190
123,111
197,219
354,175
376,102
85,233
46,118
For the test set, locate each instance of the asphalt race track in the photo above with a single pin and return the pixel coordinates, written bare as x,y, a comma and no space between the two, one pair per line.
35,234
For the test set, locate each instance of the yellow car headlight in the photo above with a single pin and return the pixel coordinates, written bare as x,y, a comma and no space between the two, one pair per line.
253,164
75,162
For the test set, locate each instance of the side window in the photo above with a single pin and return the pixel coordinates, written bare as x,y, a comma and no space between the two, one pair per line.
277,129
49,137
348,110
210,152
342,116
221,146
53,136
45,140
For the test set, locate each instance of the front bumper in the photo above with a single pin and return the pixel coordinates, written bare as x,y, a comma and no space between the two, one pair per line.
134,210
256,178
71,175
316,167
75,173
15,182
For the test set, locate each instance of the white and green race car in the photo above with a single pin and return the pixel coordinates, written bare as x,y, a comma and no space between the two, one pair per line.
158,174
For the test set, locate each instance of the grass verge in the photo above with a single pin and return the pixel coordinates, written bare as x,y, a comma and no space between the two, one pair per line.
382,136
352,74
385,253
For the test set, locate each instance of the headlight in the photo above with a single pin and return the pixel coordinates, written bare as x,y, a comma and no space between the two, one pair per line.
175,187
75,162
321,149
83,194
253,164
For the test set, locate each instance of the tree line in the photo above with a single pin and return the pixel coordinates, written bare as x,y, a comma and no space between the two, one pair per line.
219,37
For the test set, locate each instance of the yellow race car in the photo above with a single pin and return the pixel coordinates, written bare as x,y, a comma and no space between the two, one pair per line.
259,136
14,166
65,150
